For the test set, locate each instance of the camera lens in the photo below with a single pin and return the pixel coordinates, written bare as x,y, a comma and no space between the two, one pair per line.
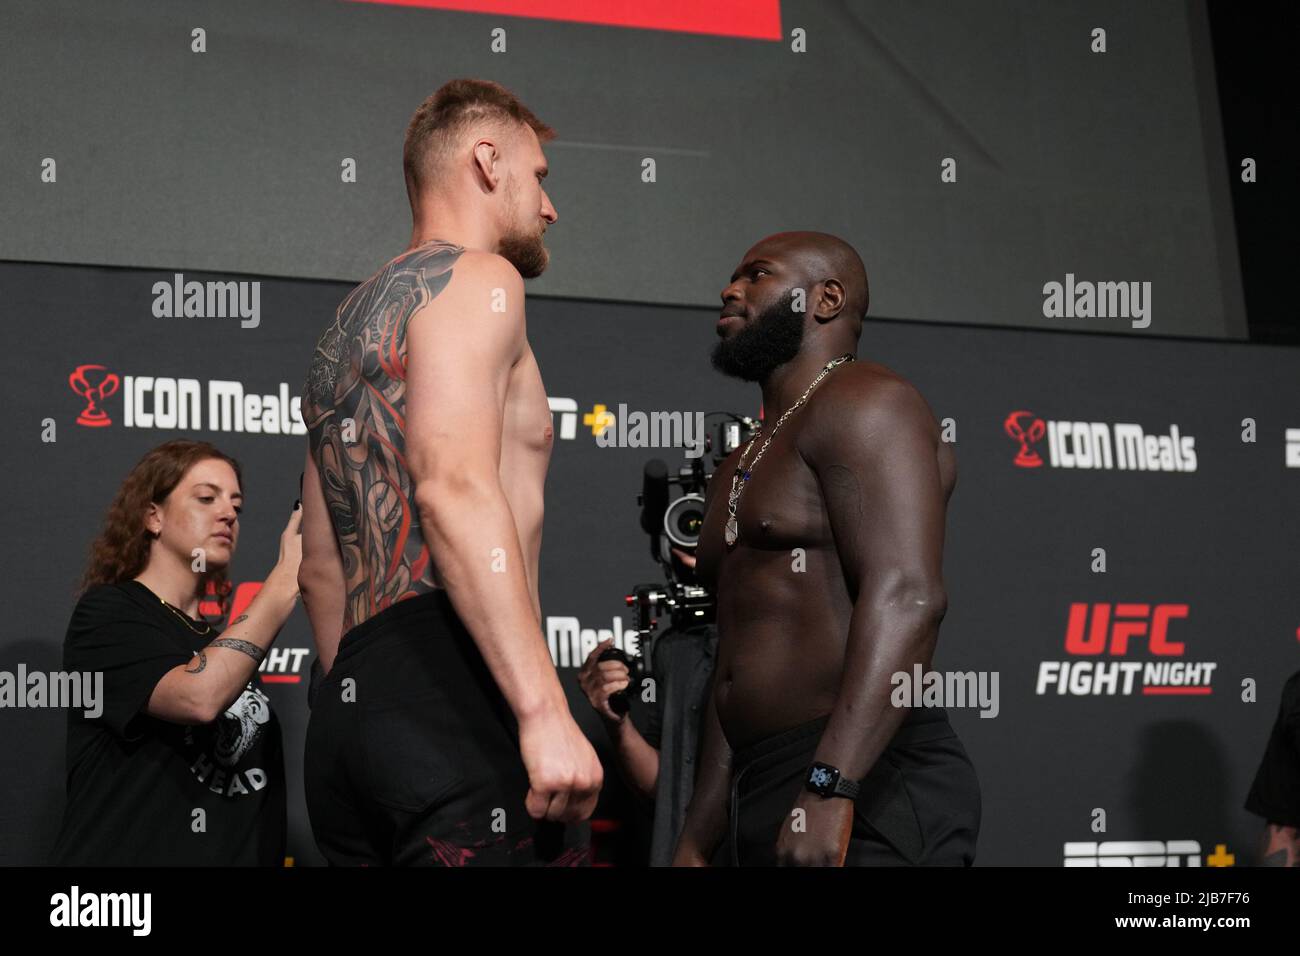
683,520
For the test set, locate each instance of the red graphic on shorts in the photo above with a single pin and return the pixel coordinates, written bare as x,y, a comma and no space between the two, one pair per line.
576,856
448,854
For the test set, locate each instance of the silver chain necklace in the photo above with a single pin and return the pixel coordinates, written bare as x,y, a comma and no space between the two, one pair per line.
741,478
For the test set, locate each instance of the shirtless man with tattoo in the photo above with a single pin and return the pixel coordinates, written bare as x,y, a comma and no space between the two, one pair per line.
440,735
823,541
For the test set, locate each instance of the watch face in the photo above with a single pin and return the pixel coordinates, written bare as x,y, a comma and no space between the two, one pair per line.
820,777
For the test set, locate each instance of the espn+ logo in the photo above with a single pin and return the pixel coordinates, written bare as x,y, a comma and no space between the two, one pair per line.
1134,853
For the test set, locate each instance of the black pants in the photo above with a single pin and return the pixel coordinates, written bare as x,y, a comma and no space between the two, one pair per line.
413,753
919,805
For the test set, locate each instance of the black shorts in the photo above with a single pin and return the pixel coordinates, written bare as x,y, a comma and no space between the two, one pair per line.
919,804
413,753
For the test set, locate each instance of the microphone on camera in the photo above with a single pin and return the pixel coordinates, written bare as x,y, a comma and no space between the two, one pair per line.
654,496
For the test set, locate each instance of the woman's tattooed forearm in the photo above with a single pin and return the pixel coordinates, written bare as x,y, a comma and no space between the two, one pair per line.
244,647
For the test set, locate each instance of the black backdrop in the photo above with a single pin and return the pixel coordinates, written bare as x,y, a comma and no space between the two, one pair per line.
1220,540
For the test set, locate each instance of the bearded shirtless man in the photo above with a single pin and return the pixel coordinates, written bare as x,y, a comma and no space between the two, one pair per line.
440,735
828,581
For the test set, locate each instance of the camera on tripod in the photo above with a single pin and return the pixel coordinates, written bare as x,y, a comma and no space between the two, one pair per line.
674,521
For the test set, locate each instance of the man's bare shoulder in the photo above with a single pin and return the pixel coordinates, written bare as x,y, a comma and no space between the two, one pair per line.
476,284
476,267
431,257
474,312
438,265
867,394
861,411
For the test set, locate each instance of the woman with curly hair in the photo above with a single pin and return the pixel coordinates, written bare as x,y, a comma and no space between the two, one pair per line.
183,766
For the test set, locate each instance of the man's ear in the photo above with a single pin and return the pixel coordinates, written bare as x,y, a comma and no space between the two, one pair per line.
487,163
831,300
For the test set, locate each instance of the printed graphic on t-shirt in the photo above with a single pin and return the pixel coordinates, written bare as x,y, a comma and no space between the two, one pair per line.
241,725
216,749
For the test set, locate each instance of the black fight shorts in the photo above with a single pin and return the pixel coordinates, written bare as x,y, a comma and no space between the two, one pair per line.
412,753
919,804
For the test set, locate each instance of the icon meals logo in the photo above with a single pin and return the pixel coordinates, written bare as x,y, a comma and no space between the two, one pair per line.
1098,445
177,403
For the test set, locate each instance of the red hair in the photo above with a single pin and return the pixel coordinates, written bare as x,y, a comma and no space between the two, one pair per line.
121,551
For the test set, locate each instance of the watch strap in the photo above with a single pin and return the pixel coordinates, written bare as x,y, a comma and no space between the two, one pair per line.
843,787
846,788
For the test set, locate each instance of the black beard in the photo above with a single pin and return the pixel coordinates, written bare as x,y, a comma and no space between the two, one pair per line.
762,346
526,253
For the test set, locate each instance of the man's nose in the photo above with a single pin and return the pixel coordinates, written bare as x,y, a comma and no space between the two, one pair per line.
548,211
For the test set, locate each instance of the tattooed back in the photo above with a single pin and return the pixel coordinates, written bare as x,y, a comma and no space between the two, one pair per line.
354,406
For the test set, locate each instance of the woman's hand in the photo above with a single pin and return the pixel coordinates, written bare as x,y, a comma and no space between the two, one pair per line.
286,566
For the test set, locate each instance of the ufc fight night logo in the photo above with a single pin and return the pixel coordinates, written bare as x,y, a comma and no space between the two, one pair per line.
1109,631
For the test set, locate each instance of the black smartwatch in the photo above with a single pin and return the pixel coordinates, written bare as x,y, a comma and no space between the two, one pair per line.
825,780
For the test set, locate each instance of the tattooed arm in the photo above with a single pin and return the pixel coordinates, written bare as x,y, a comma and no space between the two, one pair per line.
1280,846
320,577
198,692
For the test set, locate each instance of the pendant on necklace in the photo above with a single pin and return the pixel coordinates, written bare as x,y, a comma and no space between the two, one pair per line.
732,532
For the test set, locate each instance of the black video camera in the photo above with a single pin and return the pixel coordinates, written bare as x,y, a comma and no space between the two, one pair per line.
675,522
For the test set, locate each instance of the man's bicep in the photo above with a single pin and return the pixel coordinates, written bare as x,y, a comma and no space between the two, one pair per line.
879,476
460,350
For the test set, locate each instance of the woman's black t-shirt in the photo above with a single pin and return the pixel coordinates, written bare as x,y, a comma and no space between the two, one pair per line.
1275,794
136,784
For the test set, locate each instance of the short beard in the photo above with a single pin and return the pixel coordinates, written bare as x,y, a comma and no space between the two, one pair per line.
525,251
762,346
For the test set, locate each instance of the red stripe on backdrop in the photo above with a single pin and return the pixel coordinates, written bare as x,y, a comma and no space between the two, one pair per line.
751,19
1176,690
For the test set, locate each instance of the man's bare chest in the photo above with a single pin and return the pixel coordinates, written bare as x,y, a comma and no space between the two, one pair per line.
780,508
527,433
